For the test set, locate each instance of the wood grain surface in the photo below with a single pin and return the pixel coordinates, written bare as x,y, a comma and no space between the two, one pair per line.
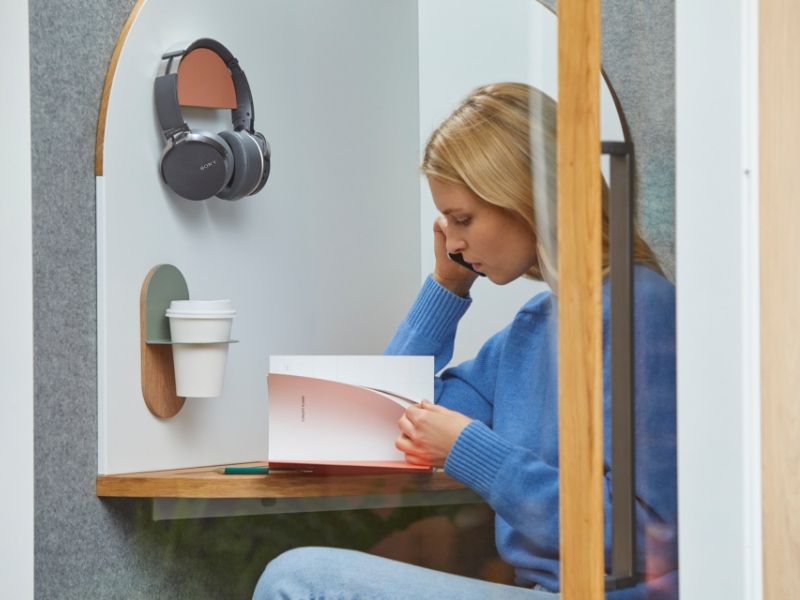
112,68
209,482
579,301
779,108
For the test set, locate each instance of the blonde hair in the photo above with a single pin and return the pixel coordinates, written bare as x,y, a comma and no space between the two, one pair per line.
500,142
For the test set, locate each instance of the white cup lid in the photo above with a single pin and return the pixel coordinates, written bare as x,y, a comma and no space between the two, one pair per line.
201,306
201,309
222,314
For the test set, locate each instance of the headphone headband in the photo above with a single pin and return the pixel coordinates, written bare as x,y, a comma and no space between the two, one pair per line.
166,89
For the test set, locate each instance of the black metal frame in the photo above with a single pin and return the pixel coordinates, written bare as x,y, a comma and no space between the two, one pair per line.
623,541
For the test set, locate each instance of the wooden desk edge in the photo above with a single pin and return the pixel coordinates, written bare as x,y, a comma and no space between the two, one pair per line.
206,483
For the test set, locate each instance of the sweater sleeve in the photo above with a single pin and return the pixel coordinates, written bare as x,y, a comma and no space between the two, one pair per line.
522,488
430,329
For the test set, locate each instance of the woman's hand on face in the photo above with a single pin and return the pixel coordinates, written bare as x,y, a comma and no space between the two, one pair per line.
447,273
427,432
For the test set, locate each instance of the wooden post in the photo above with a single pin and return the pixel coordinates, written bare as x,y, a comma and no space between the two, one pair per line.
579,301
779,125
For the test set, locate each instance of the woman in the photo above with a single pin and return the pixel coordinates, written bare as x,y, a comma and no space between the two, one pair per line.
494,424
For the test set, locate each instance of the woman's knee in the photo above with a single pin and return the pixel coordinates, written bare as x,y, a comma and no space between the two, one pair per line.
297,573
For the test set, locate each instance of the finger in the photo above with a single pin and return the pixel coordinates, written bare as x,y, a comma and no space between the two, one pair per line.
409,448
430,406
417,460
440,238
433,407
413,414
404,444
406,427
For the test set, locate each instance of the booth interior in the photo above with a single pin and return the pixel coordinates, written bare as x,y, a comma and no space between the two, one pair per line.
321,256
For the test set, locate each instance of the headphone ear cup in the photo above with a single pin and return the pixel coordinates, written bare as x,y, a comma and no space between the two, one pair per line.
197,165
248,165
266,152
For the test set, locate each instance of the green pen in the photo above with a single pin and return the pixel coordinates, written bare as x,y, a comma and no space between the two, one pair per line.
245,470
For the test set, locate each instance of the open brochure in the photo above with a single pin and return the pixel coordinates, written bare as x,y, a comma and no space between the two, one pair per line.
339,414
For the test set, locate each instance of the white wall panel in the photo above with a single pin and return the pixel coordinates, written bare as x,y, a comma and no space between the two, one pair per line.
717,300
324,260
16,306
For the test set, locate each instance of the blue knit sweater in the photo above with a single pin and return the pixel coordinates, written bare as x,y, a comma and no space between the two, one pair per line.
509,452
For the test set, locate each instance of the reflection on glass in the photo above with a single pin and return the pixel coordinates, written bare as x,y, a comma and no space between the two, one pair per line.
490,167
494,424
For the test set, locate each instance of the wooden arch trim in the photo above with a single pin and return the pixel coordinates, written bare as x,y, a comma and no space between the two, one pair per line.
112,69
203,81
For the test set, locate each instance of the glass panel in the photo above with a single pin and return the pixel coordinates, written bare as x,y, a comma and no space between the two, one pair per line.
420,218
639,303
487,119
639,425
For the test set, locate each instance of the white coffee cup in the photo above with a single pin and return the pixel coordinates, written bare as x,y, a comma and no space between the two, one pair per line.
200,332
199,369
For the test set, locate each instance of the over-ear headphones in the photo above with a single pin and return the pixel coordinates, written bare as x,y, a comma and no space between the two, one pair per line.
199,164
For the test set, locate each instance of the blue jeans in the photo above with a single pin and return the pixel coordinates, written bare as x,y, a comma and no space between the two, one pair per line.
335,574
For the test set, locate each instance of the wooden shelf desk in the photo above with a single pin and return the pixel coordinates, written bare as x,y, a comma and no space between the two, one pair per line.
208,482
205,492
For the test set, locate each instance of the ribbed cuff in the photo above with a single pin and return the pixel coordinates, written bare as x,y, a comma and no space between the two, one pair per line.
476,457
436,311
